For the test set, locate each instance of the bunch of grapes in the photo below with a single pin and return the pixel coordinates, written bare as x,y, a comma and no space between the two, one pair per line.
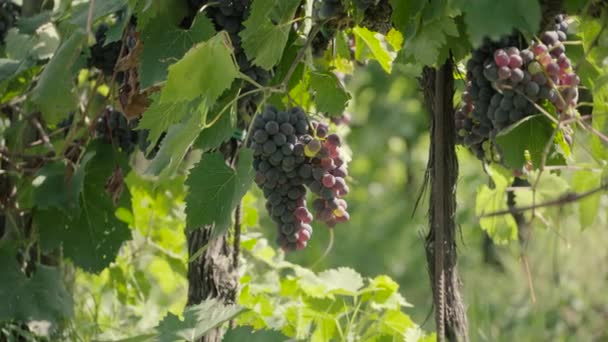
326,178
9,12
506,83
114,128
377,15
104,56
229,15
333,14
286,159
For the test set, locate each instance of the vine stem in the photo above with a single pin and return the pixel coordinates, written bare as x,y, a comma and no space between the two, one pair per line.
300,55
330,246
565,199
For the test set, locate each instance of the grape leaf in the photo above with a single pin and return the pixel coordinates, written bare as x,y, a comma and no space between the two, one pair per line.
425,46
163,45
406,16
588,207
204,72
215,189
175,145
160,116
49,186
80,12
220,131
342,280
198,320
54,94
330,96
599,148
247,333
269,23
489,18
43,296
531,134
92,236
502,228
378,50
173,11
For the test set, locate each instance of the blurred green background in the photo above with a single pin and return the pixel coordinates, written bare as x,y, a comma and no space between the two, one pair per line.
568,268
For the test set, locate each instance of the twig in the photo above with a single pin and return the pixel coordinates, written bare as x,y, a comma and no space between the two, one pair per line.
300,55
43,135
565,199
237,236
90,16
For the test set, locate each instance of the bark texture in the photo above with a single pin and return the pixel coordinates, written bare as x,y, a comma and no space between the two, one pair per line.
450,313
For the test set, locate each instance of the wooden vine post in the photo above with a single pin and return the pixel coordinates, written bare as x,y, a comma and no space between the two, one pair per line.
450,315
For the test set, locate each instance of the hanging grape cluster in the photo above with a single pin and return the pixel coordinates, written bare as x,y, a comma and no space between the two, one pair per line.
376,15
334,17
506,83
229,15
286,159
104,56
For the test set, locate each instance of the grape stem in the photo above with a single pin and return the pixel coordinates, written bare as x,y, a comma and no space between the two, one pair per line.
565,199
330,246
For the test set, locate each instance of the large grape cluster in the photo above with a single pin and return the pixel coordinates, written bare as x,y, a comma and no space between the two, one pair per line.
506,84
9,12
104,56
287,158
229,15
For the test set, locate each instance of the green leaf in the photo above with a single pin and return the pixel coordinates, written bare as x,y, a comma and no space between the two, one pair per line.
54,93
531,134
489,18
502,228
43,296
248,334
425,46
215,189
220,131
163,45
49,188
173,11
205,72
342,280
175,145
599,148
92,236
100,9
588,207
269,22
330,96
160,116
198,320
406,15
377,48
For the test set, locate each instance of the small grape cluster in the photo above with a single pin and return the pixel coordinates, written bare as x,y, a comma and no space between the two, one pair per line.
326,171
104,56
286,159
229,15
9,13
376,15
335,14
113,127
505,84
